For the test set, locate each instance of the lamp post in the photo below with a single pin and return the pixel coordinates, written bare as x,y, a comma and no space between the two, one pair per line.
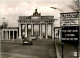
56,8
62,44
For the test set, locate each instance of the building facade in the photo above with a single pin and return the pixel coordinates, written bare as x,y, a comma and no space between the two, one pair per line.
10,33
35,19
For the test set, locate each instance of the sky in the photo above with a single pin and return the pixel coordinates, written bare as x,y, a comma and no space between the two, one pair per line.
12,9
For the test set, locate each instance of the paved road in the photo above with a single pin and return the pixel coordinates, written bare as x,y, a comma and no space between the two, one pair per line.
39,49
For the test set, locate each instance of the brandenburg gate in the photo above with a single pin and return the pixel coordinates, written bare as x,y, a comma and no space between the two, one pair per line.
35,19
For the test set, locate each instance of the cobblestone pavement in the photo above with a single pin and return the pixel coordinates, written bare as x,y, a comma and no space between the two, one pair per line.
40,49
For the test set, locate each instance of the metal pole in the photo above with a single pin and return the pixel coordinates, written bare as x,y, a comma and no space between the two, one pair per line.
62,50
79,26
57,8
77,51
61,34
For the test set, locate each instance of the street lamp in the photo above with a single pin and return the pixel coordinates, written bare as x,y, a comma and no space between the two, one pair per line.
61,37
56,8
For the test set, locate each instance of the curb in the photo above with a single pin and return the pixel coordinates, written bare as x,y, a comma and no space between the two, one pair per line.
57,51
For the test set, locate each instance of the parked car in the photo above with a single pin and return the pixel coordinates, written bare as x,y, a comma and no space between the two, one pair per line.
27,41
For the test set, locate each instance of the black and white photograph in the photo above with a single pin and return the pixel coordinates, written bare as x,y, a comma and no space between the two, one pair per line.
39,28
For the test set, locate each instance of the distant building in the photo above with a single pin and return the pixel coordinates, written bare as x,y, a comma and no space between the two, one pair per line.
10,33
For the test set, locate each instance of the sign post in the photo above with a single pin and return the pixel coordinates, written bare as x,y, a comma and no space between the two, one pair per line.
70,28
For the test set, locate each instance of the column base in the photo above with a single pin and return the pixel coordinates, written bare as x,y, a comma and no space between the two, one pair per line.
25,36
20,37
2,38
40,37
12,39
46,37
52,38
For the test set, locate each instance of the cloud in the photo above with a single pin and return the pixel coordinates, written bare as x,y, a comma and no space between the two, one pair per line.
11,9
25,6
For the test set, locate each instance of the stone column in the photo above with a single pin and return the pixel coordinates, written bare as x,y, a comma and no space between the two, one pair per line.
20,31
17,34
25,30
46,31
40,30
9,34
2,34
32,28
52,30
13,35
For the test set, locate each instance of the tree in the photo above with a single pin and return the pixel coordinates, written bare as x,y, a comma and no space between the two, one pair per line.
74,6
4,25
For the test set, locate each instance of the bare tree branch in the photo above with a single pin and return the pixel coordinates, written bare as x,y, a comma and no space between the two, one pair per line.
74,5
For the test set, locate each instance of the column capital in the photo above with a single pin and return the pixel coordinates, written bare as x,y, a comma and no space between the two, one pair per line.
32,23
26,23
46,23
19,23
